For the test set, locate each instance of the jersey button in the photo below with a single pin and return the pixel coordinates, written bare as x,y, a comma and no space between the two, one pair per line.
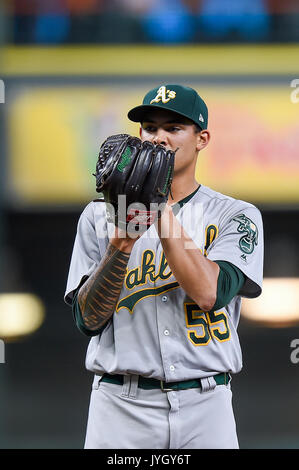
164,298
172,368
166,332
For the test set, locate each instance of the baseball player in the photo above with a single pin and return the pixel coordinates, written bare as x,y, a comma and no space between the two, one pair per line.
162,308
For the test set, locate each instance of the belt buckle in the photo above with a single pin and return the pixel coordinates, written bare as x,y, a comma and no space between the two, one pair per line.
165,389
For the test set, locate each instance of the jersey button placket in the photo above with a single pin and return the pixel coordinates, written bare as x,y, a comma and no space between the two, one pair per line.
164,306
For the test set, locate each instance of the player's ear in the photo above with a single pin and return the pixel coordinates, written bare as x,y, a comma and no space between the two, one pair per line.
203,138
140,131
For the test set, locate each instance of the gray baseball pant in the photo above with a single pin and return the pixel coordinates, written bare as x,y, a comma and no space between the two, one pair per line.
128,417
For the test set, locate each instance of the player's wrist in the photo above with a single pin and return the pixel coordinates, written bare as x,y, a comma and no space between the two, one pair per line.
122,240
165,222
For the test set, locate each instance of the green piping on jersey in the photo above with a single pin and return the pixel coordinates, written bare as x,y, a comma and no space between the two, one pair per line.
131,300
178,205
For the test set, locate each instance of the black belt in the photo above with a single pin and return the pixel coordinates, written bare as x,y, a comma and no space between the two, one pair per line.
149,383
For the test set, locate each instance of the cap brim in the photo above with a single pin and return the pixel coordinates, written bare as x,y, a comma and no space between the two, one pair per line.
138,113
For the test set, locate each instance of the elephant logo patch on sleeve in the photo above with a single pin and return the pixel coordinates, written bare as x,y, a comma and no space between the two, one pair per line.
249,240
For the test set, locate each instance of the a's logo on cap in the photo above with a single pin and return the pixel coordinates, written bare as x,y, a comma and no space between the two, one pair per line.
163,95
201,118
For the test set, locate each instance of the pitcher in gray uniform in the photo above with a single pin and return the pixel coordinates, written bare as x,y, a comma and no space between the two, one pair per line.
162,309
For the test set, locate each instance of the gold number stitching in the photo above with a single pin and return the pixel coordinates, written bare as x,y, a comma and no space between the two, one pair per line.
212,324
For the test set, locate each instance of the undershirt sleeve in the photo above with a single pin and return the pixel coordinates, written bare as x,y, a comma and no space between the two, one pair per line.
230,280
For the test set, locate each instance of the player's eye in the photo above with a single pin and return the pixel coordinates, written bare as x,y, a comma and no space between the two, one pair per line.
149,128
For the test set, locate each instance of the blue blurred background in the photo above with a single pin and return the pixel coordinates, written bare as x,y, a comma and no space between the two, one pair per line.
70,70
152,21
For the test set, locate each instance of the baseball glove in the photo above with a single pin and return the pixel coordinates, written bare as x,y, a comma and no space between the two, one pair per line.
135,179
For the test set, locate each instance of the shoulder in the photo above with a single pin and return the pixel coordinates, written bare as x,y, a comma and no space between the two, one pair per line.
225,206
93,209
93,220
209,195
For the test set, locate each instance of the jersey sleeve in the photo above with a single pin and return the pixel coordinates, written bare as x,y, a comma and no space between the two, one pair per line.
87,251
240,241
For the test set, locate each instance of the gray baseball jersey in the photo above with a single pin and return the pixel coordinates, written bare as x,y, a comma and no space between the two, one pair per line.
157,330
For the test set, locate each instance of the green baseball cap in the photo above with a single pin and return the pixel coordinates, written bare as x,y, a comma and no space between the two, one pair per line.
180,99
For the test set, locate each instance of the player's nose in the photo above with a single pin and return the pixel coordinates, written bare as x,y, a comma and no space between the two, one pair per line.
160,138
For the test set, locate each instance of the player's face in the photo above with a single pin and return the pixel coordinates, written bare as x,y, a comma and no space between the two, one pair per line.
175,132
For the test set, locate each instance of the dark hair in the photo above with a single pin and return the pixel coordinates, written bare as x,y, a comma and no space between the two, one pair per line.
197,128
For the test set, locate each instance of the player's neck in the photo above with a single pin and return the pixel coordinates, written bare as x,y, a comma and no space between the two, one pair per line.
181,190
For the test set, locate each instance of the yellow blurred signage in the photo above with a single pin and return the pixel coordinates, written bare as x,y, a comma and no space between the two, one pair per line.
55,132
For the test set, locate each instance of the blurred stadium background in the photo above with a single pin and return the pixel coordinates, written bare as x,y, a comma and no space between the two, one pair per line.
70,70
